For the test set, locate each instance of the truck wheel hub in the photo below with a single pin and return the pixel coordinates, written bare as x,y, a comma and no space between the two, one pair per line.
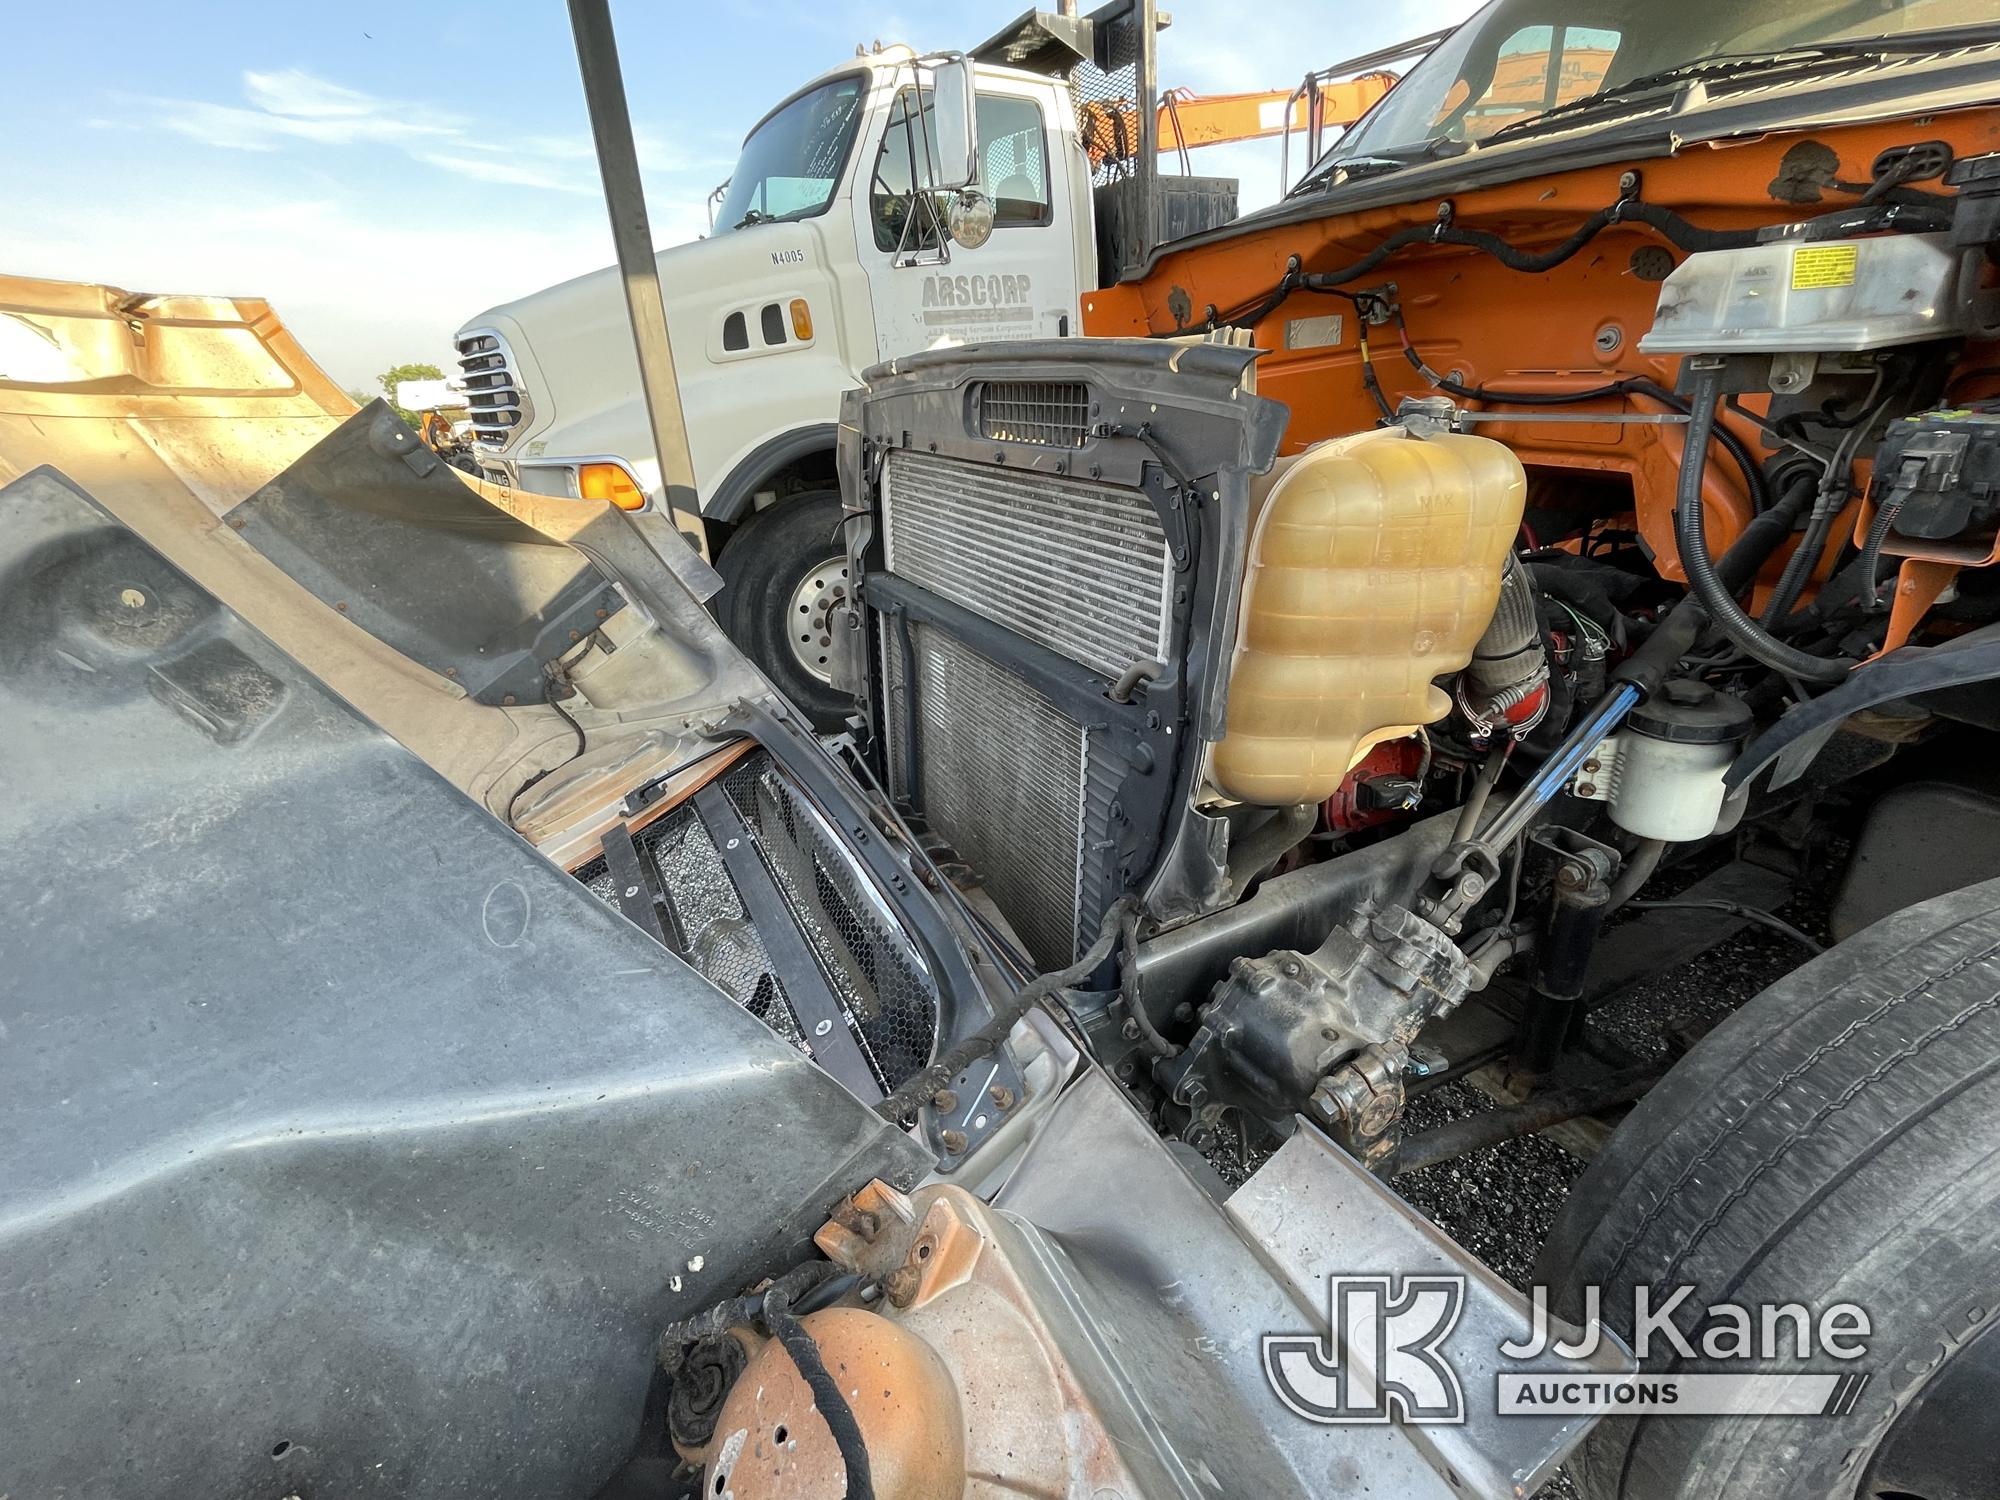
809,615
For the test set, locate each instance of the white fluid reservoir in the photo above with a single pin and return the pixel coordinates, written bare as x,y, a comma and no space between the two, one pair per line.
1661,774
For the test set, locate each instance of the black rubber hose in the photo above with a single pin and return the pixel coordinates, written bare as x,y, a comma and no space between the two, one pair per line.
1128,987
1831,495
1257,852
1805,557
1766,531
914,1091
1717,599
1653,662
827,1399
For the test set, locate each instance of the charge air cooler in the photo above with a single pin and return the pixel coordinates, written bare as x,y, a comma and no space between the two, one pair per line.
1049,590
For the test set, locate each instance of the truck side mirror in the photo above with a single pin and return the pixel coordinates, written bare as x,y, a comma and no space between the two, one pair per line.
955,137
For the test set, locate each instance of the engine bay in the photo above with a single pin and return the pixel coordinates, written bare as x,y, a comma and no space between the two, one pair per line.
1504,652
1261,715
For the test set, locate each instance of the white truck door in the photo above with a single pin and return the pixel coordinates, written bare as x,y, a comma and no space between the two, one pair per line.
1022,282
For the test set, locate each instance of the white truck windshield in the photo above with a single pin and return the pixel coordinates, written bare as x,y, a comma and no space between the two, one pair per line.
792,162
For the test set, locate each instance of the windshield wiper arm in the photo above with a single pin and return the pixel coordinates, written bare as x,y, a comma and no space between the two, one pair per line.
1697,70
753,216
1368,166
1375,164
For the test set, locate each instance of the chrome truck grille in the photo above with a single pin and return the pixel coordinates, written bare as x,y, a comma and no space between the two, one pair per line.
1080,567
492,387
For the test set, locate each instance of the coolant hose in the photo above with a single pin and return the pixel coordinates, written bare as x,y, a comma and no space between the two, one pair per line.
1639,867
1508,664
1761,538
1691,538
1257,853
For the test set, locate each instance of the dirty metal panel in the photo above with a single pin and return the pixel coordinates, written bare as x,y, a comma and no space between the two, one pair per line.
377,526
352,1148
1165,1305
1313,1212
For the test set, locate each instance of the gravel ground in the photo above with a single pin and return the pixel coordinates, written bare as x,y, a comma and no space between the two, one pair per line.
1501,1203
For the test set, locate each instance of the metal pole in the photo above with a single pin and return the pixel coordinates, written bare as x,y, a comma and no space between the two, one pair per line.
625,201
1146,81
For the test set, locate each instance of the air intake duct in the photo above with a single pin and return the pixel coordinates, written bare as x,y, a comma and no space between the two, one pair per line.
1507,683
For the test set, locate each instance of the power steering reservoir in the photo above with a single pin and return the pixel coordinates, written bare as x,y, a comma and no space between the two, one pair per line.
1661,774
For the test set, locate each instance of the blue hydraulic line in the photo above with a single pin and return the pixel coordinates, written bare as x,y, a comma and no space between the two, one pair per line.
1554,773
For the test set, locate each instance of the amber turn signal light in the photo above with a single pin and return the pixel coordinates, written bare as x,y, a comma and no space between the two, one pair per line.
609,482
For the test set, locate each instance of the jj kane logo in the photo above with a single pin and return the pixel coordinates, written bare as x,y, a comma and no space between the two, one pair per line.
1387,1357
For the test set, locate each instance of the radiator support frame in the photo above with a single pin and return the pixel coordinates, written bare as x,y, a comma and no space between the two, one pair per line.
1172,424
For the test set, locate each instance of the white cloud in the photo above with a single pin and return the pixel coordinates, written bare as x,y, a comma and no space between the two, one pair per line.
362,289
575,179
296,106
365,281
291,105
293,92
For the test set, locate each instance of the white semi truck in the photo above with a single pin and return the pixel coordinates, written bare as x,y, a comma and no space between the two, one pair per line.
844,237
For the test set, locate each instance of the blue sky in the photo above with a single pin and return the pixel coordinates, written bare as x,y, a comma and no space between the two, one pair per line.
382,171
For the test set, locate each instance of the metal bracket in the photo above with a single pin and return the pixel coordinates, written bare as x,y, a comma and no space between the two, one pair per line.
634,887
820,1014
980,1100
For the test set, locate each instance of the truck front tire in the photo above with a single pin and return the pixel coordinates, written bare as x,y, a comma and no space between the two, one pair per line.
1837,1140
783,571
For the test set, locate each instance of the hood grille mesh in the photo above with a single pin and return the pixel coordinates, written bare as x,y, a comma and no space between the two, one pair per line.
889,1000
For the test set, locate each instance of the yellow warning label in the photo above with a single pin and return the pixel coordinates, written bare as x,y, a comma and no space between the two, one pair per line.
1816,267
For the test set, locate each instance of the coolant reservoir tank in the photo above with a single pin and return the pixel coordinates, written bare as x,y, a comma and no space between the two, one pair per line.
1375,565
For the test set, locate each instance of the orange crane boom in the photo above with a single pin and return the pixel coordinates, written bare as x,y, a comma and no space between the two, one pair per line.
1186,120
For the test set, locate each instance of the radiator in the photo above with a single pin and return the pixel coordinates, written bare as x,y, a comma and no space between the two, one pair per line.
1000,775
1080,567
1020,789
1048,515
